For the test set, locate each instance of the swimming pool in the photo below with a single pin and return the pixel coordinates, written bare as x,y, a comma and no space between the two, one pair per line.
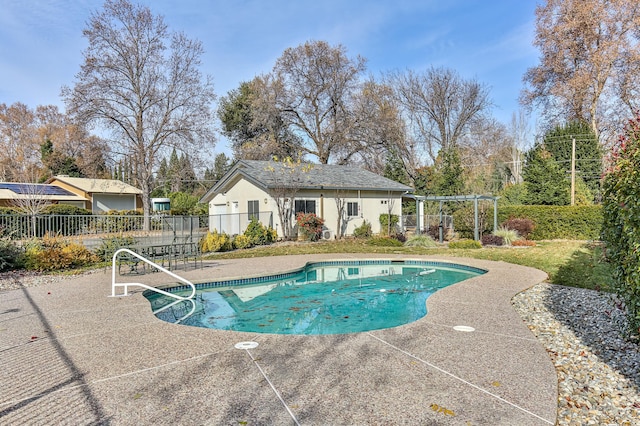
322,298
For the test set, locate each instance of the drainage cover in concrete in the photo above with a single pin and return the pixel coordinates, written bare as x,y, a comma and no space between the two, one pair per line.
464,328
246,345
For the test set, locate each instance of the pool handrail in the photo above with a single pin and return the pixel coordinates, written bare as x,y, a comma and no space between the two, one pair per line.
148,287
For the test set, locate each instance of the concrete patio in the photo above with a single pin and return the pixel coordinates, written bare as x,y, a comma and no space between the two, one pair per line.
70,354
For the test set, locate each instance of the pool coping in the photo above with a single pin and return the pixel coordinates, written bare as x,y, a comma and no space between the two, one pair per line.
112,361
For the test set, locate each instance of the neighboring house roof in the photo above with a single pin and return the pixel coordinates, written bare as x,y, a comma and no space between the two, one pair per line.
100,186
27,191
266,175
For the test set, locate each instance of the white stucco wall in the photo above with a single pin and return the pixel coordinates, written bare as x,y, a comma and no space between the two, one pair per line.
371,205
229,211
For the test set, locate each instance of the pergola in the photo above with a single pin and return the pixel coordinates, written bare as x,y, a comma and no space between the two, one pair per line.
458,198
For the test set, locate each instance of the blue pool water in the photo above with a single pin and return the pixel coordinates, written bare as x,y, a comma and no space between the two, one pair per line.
322,298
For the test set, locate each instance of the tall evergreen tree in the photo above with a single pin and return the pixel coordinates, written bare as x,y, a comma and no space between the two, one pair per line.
162,178
187,176
174,172
394,169
221,166
450,180
546,183
589,151
56,163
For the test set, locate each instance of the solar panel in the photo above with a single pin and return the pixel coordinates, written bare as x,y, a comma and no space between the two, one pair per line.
34,189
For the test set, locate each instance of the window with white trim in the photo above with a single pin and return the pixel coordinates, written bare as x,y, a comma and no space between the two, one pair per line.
352,209
253,207
305,206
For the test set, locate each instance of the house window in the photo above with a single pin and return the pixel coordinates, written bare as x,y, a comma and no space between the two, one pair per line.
252,207
352,209
305,206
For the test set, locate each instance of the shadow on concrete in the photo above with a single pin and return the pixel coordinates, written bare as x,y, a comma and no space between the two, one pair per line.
43,385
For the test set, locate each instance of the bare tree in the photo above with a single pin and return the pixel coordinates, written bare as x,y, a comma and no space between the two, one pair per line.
286,183
143,84
390,202
19,144
485,153
439,105
589,49
341,202
31,201
384,132
519,130
72,140
312,88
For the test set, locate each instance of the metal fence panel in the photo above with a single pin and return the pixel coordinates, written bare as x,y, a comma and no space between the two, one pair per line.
90,230
237,223
428,221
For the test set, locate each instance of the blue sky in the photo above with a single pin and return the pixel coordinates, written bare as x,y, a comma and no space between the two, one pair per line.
41,41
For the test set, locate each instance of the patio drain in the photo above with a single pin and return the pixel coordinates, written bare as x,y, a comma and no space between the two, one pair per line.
246,345
464,328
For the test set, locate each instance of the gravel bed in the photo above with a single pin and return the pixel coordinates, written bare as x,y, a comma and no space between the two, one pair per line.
598,370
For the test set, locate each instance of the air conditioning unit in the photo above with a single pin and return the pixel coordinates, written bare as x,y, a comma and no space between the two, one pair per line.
326,234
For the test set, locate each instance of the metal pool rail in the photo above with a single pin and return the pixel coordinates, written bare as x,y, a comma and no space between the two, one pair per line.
157,290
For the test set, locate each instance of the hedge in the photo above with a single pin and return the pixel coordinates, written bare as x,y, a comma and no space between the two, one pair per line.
558,222
551,222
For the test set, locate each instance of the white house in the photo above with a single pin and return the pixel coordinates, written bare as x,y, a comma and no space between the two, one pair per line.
250,187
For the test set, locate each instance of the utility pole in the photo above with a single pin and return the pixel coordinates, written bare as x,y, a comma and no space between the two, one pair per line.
573,171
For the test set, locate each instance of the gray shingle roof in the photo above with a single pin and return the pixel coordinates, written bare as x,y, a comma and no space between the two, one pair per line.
327,176
319,176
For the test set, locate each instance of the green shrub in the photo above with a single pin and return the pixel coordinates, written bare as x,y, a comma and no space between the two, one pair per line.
508,235
214,241
10,255
558,222
11,223
182,203
421,241
465,244
464,219
363,231
242,241
65,209
121,221
621,226
259,234
388,223
109,246
65,220
384,242
9,210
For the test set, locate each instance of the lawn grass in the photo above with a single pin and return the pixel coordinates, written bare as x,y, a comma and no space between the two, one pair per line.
570,263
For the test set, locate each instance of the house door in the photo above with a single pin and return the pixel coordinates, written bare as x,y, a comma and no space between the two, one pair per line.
218,220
